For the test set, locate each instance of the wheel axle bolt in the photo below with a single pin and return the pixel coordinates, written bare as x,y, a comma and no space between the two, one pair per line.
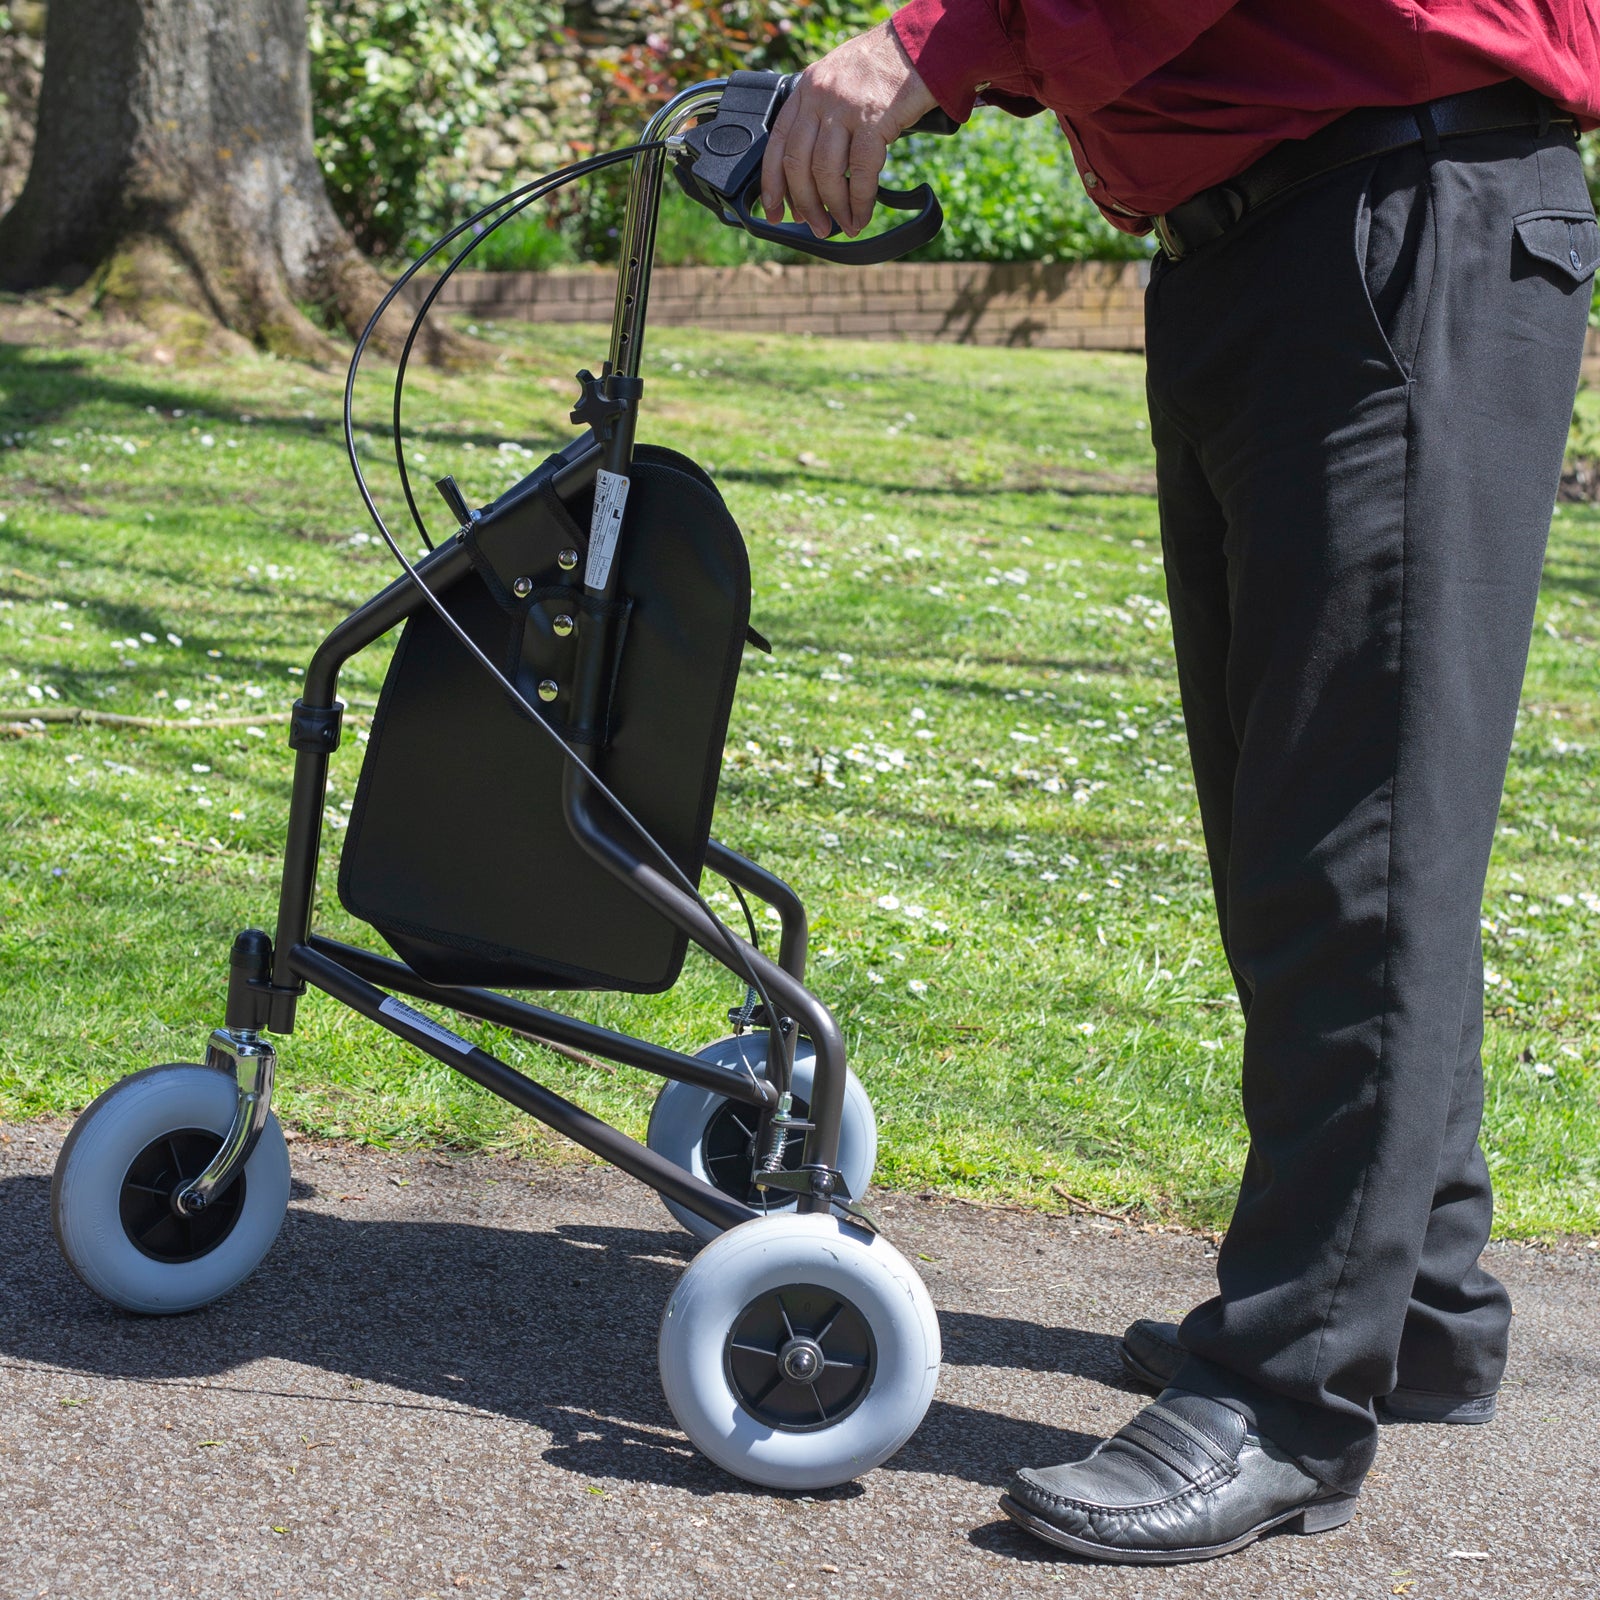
800,1360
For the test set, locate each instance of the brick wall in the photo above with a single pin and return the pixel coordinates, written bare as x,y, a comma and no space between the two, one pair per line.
1088,305
1084,305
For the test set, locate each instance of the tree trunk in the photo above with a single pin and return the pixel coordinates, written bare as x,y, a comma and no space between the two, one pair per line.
173,174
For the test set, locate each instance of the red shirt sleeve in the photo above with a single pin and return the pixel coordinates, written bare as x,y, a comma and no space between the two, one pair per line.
959,47
1068,55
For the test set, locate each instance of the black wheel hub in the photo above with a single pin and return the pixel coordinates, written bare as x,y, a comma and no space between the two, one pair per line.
728,1149
800,1358
152,1221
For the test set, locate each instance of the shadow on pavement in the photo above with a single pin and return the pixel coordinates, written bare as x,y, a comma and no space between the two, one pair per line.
554,1328
974,1340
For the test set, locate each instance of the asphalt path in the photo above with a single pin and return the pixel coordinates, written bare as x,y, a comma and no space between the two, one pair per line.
442,1382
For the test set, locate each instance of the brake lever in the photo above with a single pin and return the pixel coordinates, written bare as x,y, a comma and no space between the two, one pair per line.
719,165
889,245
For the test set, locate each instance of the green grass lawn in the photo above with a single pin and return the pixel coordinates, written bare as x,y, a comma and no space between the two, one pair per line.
966,751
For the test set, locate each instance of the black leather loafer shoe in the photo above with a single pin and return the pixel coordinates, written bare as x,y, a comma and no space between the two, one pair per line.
1418,1405
1151,1355
1184,1481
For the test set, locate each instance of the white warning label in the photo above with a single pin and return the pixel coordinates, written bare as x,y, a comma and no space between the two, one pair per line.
401,1012
610,496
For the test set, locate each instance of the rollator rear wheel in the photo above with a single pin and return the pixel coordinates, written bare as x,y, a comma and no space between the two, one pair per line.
799,1352
714,1138
111,1197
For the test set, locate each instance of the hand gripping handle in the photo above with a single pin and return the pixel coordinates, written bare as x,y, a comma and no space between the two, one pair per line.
721,168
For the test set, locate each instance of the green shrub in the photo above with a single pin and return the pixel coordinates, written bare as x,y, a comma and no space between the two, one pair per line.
1010,192
402,91
817,29
529,242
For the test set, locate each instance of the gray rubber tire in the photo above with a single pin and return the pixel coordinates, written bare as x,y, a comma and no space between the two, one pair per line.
682,1115
85,1194
776,1253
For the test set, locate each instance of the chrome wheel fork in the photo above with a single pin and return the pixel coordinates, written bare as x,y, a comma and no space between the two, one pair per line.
252,1061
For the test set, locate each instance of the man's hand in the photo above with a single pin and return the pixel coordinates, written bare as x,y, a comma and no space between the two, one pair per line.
829,143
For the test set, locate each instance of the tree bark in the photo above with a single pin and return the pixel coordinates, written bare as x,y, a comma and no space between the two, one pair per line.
173,175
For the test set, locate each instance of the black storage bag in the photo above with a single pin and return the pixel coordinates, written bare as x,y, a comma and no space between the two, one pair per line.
458,852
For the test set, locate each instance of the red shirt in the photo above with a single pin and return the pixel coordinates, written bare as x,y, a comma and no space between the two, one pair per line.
1163,98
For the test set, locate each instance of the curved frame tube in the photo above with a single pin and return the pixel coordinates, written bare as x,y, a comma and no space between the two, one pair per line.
813,1017
639,221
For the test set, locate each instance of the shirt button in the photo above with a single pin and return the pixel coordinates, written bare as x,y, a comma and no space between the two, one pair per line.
1575,259
1091,180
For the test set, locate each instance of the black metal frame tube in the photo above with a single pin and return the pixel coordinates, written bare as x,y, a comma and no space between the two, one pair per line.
814,1018
302,848
794,934
485,1005
592,660
639,221
628,1155
367,623
297,891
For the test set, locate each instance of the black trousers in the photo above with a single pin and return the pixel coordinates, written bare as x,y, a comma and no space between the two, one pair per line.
1359,399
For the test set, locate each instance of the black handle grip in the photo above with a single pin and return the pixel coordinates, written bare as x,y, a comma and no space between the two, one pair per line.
889,245
937,121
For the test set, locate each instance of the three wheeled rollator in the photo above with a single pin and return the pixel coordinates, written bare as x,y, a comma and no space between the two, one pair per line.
534,812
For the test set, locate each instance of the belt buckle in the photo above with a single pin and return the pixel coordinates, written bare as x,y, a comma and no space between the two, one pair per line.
1170,242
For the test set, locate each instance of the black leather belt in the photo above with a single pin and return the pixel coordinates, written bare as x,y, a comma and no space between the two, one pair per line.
1357,136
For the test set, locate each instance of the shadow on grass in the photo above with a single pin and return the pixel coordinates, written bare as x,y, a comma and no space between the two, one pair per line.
554,1328
908,679
39,389
229,605
1568,572
1063,483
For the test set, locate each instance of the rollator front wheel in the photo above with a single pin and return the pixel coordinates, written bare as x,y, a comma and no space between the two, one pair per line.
799,1352
714,1137
126,1156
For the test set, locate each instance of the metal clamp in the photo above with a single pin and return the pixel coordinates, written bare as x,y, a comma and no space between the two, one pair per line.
824,1187
822,1183
253,1061
315,727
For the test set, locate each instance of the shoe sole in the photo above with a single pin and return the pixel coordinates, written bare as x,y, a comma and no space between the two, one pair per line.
1320,1516
1416,1405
